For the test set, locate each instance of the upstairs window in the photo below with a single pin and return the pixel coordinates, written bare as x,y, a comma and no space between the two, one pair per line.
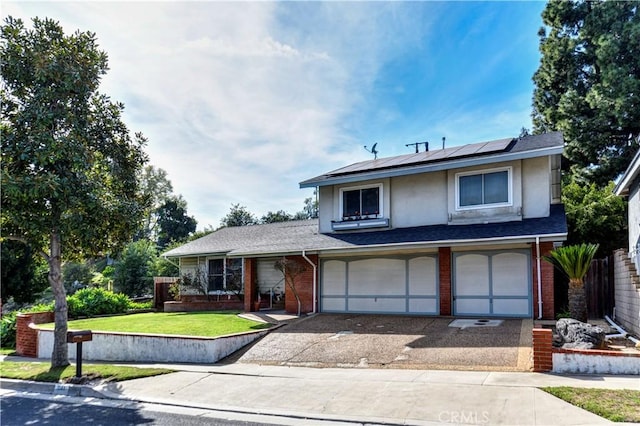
490,188
361,203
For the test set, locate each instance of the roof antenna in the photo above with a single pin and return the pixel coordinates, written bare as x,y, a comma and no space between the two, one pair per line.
373,150
443,138
417,144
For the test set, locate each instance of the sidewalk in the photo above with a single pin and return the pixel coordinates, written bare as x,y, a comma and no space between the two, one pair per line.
378,396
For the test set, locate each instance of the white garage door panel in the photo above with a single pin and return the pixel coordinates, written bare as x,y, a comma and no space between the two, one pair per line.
510,275
423,305
473,306
377,304
510,306
334,273
472,275
377,276
422,276
330,304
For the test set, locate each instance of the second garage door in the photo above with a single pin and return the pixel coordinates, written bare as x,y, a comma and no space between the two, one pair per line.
392,285
492,283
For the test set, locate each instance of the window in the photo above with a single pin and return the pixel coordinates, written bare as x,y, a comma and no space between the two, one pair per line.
225,275
359,203
483,189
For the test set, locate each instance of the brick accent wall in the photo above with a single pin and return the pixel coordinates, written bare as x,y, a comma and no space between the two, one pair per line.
444,260
546,269
542,350
250,284
303,285
26,336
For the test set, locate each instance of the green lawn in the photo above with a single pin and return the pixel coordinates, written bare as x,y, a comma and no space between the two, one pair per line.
206,324
617,405
42,372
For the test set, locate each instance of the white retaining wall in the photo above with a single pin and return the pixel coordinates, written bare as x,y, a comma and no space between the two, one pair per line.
112,346
576,363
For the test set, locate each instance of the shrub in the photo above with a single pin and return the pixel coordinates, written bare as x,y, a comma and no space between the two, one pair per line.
96,301
8,330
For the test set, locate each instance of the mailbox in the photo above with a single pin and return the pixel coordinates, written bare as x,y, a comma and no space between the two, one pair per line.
79,336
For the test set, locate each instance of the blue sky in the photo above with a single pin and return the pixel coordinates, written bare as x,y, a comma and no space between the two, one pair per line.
243,100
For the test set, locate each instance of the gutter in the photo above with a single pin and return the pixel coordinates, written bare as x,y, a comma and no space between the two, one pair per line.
315,284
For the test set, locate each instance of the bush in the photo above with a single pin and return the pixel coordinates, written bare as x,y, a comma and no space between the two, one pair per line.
8,330
96,301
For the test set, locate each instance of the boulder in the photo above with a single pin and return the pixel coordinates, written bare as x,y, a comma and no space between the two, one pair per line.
579,335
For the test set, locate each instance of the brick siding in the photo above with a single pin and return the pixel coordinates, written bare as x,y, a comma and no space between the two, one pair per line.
546,269
444,260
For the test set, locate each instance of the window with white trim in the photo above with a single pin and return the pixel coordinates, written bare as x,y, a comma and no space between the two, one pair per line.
489,188
361,202
224,274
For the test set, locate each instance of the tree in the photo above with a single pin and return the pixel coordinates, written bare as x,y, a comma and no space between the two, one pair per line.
594,214
22,276
69,166
279,216
588,83
134,271
155,189
238,216
574,262
310,209
173,222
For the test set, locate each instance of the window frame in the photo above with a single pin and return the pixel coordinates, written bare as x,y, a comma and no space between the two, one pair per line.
508,203
226,272
361,216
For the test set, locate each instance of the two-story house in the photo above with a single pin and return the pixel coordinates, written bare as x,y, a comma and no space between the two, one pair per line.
457,231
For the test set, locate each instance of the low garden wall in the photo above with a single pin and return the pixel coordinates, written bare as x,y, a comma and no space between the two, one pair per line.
134,347
546,358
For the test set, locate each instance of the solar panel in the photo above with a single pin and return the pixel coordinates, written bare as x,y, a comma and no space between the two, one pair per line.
425,157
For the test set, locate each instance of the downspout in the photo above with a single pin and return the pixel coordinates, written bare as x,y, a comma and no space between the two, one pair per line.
314,280
539,267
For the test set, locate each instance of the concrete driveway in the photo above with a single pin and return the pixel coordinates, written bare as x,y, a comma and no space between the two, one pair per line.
385,341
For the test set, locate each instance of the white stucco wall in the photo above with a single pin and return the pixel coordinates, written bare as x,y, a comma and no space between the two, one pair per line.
430,198
151,348
418,200
536,187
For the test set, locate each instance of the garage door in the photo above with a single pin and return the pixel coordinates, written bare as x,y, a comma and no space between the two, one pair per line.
492,284
392,285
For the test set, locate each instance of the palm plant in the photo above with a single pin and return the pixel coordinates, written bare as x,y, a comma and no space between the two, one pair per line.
574,262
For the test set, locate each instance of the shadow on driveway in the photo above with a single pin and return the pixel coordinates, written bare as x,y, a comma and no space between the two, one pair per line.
385,341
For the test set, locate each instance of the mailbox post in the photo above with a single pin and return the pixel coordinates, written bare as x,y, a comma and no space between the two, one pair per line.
78,337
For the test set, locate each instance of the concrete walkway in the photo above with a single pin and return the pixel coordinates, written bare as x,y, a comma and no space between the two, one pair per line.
356,395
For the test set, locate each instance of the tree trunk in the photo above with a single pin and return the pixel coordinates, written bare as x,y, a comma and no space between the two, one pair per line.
60,354
577,300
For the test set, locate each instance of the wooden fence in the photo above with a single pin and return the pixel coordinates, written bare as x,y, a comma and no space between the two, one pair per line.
599,288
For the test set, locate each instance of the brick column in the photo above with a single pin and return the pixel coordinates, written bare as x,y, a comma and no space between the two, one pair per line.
542,350
250,284
546,274
26,336
444,266
304,287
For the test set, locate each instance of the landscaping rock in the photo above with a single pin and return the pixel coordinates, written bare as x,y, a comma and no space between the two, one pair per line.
579,335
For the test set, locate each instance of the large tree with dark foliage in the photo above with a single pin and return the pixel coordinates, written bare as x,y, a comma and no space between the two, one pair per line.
69,163
21,277
588,83
173,222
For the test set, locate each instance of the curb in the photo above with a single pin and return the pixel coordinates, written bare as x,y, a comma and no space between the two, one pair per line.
64,389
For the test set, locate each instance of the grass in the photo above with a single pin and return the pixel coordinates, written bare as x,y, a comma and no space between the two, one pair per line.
7,351
205,324
617,405
42,372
